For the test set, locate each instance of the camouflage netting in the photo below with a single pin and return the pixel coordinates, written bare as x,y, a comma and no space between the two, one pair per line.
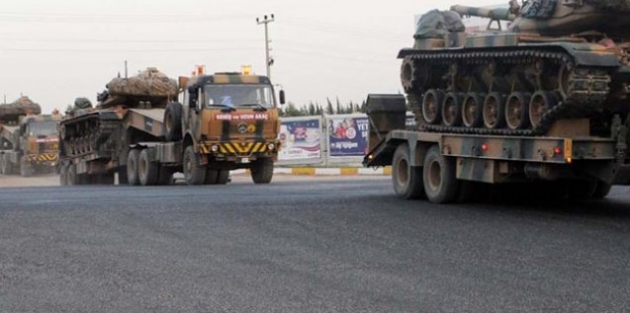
150,83
611,5
436,24
22,106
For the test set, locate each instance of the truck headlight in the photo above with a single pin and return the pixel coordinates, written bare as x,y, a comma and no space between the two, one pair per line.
214,148
271,146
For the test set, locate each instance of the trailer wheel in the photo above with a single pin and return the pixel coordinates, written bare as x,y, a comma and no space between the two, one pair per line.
173,121
194,173
132,167
602,190
407,179
438,174
262,171
7,169
148,172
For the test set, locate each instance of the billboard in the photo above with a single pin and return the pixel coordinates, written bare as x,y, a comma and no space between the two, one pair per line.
347,135
300,139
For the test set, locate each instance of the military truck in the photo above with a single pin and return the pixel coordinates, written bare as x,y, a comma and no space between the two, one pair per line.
541,103
28,140
221,122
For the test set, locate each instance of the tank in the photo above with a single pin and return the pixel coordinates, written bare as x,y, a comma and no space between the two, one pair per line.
10,113
535,64
91,129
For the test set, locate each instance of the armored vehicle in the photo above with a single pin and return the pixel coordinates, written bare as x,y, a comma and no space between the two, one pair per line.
539,98
140,131
557,59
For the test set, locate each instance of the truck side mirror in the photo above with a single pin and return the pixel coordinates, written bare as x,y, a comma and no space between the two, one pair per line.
193,97
282,97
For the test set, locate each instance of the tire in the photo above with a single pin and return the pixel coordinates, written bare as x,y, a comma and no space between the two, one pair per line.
173,122
262,171
539,104
452,109
407,179
194,173
148,172
7,169
602,190
132,167
438,175
472,110
63,175
494,111
432,106
517,110
223,177
211,176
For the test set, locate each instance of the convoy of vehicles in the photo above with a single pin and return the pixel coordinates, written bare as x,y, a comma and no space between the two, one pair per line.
28,140
544,101
223,122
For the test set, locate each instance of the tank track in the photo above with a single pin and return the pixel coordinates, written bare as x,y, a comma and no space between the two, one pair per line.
587,88
88,134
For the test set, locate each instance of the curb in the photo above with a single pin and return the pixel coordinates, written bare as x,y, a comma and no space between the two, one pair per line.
319,171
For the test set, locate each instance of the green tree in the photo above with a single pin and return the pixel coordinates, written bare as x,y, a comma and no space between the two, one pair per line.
329,108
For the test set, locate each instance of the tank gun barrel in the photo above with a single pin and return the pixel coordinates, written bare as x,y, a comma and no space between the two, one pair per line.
500,14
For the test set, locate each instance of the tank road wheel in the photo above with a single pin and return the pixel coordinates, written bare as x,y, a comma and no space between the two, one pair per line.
148,172
194,173
438,174
452,109
472,110
407,179
516,110
132,167
173,121
262,171
541,102
431,106
63,175
494,111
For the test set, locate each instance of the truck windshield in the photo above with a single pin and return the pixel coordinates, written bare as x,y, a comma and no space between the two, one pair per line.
42,128
239,96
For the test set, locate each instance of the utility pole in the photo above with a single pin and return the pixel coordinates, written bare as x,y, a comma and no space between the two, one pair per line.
269,60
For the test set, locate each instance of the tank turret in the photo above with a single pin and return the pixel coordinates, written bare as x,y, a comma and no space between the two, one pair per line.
11,112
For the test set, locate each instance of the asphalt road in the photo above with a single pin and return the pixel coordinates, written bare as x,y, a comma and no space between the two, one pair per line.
299,245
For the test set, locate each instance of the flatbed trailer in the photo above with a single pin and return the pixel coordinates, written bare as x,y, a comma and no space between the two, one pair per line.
436,165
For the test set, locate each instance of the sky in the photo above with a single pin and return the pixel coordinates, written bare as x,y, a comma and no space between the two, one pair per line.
55,51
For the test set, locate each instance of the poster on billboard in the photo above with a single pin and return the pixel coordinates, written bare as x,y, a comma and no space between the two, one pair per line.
300,139
347,135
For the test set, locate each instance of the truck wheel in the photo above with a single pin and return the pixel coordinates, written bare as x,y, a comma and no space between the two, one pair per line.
147,171
26,169
407,179
194,173
173,122
262,171
223,177
211,176
602,190
438,174
132,167
6,167
63,175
